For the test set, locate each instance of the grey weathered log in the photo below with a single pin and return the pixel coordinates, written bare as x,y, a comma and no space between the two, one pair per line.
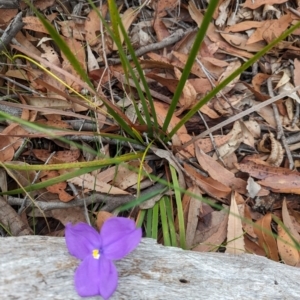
9,4
35,267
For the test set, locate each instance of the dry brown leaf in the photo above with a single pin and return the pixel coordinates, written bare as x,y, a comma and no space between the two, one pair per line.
288,222
252,247
208,223
102,216
218,172
17,73
188,96
217,238
71,29
286,247
195,207
90,182
58,188
160,29
285,78
206,145
297,73
243,26
43,4
201,85
233,66
8,142
23,177
78,50
92,25
170,83
278,179
213,34
181,62
6,15
58,157
53,58
265,239
235,234
34,24
255,4
210,186
7,150
127,18
107,175
67,215
125,177
54,121
236,138
240,41
247,222
161,7
48,102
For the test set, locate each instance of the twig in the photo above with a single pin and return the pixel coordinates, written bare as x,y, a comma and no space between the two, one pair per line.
37,175
297,110
280,133
239,116
13,111
293,138
112,202
9,4
77,197
10,32
212,139
26,88
175,37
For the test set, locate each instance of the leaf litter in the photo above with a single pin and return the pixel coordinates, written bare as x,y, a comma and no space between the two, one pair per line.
242,172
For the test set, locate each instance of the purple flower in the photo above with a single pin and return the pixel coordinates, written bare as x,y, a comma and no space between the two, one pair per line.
97,274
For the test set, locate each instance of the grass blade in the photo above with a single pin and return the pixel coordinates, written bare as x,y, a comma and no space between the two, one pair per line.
164,221
179,208
155,214
171,223
141,218
149,223
192,56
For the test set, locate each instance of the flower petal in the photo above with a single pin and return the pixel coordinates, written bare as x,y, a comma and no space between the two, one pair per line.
119,237
82,239
87,277
108,277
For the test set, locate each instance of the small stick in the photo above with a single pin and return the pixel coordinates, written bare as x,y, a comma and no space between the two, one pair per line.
212,139
280,133
175,37
112,202
10,32
238,116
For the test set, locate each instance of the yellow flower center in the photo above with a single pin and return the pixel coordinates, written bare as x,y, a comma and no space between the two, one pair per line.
96,254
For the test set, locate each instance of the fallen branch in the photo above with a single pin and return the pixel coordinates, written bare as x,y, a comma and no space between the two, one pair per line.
172,39
111,201
40,268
